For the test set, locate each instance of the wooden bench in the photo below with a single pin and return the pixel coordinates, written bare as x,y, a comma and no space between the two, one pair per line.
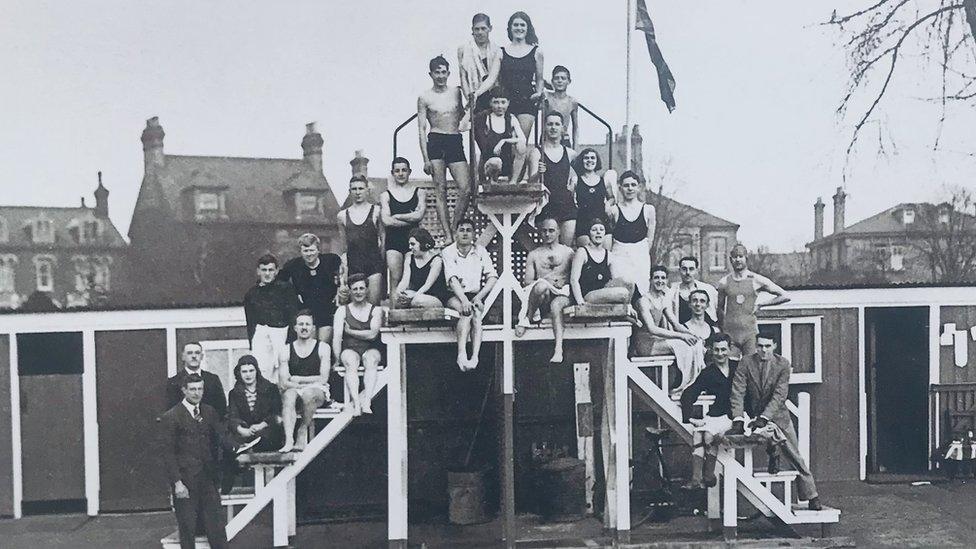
601,311
418,315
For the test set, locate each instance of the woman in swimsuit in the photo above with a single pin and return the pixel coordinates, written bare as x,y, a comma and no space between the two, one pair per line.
591,191
355,342
589,278
423,282
522,70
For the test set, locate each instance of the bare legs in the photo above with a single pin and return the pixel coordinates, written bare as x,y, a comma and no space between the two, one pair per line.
375,288
467,326
424,301
541,292
351,360
556,307
616,291
439,176
394,260
312,397
461,175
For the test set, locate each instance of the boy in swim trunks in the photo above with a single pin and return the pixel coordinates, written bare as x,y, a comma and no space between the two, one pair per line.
439,112
738,302
563,103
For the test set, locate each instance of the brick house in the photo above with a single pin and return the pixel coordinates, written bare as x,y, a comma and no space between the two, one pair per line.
883,247
201,222
70,255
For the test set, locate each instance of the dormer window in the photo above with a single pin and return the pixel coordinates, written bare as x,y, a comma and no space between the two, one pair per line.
908,216
42,231
91,231
209,203
307,204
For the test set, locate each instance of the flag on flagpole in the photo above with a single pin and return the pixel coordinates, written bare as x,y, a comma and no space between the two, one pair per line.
665,79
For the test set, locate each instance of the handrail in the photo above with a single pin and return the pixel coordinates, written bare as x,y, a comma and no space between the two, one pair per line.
609,134
802,412
397,131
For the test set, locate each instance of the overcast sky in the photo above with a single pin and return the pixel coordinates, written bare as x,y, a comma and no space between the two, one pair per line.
755,138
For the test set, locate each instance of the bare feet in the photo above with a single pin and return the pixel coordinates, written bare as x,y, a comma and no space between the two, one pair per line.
288,447
557,357
367,408
300,444
462,362
520,330
473,363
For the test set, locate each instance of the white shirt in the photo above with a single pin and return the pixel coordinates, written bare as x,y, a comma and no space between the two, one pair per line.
469,269
191,407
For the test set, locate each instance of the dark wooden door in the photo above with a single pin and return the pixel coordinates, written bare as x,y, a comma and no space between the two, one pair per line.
51,419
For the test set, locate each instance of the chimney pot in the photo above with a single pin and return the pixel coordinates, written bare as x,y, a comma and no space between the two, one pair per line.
152,144
312,147
83,202
359,164
840,200
818,219
101,199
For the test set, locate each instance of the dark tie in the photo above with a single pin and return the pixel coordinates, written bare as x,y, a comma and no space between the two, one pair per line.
196,413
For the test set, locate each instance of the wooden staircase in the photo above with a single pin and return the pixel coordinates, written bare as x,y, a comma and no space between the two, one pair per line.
737,475
275,478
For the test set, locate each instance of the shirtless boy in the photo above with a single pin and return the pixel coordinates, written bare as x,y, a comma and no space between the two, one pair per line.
547,270
738,301
564,104
439,112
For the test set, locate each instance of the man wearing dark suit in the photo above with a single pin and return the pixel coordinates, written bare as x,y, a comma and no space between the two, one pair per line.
759,388
213,390
192,435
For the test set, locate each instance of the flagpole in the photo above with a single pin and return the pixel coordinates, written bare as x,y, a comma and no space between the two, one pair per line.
627,125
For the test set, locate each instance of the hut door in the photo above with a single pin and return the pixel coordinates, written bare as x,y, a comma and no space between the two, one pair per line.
898,376
51,423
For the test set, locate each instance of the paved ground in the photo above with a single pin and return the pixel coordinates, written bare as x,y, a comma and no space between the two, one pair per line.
891,515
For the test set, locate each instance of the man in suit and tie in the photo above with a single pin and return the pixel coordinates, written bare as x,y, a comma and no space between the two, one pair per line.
192,436
213,390
759,389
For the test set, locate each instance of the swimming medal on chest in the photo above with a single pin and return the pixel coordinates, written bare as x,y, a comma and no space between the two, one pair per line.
740,299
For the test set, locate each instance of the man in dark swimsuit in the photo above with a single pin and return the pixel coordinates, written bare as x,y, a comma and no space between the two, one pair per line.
402,207
359,233
439,112
304,377
557,176
317,278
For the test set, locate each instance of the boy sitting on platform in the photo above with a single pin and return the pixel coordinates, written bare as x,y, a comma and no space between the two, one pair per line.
470,276
547,270
715,380
500,136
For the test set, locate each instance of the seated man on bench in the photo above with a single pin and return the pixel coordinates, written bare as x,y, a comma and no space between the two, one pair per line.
470,276
303,378
714,380
547,271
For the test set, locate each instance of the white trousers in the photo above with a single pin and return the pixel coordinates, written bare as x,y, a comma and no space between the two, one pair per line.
267,345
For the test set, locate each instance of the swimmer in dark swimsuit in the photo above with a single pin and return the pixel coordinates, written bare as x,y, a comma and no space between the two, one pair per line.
439,113
359,234
551,164
522,70
402,207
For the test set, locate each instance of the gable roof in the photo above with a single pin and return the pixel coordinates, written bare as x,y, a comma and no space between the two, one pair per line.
255,188
62,220
885,222
696,217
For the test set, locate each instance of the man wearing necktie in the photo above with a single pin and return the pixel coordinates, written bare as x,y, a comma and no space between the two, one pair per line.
192,436
759,389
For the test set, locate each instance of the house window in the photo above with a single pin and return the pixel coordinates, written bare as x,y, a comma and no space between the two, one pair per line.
897,258
43,231
101,275
307,204
7,273
82,274
209,203
908,216
799,340
220,357
717,253
44,273
90,231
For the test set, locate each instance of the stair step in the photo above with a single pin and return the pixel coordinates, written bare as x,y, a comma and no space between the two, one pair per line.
328,413
172,541
802,515
267,458
240,495
781,476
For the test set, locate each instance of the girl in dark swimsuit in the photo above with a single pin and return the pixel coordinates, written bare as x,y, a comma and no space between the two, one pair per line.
522,69
592,192
590,280
423,282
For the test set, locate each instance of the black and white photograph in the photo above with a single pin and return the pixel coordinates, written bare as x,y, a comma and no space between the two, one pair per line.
494,273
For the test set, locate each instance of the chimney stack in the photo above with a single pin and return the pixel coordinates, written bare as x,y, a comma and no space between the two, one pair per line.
101,198
312,147
839,199
152,144
359,164
818,218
